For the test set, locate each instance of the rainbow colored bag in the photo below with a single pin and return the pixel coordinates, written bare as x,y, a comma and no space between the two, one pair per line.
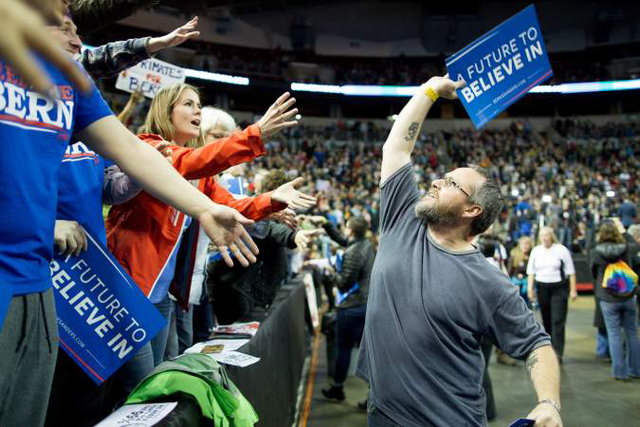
619,279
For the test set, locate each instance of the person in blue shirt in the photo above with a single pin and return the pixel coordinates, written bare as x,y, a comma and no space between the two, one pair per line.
86,182
628,212
36,132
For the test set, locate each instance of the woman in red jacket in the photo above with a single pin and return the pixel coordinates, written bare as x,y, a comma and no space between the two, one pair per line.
144,233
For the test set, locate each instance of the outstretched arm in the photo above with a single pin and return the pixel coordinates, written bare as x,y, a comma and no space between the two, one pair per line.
542,365
148,167
399,145
109,59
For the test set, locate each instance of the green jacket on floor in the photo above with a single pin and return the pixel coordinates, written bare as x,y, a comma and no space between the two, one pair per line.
201,377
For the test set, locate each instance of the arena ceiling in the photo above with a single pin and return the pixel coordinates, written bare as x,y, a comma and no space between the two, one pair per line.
243,7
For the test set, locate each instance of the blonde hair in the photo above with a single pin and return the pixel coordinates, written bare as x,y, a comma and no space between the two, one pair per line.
516,253
554,239
158,119
216,118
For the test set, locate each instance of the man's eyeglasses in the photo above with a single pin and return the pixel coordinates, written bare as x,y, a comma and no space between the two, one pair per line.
449,182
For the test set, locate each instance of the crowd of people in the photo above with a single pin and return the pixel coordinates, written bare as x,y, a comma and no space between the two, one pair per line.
423,196
59,185
570,177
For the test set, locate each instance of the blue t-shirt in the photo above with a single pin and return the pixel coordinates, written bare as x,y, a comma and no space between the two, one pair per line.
81,179
35,133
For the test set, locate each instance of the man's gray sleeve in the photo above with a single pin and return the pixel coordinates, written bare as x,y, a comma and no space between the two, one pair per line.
398,194
109,59
514,329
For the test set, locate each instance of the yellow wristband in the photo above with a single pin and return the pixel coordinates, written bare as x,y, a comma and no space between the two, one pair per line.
432,94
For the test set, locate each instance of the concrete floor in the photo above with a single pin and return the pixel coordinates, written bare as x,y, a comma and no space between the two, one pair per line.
590,397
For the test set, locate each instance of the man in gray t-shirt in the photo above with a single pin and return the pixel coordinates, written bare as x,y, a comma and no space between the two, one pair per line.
433,296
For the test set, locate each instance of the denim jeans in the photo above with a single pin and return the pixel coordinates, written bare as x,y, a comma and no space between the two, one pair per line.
349,329
622,316
565,236
602,343
181,331
134,371
203,322
159,342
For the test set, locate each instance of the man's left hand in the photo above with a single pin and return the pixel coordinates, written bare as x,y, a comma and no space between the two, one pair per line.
545,415
445,87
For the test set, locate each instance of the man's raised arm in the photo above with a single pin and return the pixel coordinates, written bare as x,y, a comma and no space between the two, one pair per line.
399,145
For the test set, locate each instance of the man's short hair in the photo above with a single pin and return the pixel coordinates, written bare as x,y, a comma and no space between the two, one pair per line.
273,180
358,226
634,231
489,197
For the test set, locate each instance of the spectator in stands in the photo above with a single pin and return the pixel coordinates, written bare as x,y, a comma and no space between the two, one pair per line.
197,323
566,224
28,344
627,212
244,295
619,310
85,184
551,281
189,279
352,281
216,124
634,232
143,233
518,266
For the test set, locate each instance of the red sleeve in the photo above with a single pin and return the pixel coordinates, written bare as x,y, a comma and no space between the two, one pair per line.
255,208
241,146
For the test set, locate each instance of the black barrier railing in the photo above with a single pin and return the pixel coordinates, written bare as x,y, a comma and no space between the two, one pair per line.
271,385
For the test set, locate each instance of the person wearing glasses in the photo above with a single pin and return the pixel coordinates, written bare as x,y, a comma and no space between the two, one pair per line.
433,297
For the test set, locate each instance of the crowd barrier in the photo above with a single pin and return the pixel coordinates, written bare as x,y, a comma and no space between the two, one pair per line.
272,384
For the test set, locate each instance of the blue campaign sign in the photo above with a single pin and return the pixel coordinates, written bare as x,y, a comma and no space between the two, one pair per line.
103,317
501,66
236,186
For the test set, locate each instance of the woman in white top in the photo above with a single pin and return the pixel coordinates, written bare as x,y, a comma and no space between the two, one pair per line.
550,265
